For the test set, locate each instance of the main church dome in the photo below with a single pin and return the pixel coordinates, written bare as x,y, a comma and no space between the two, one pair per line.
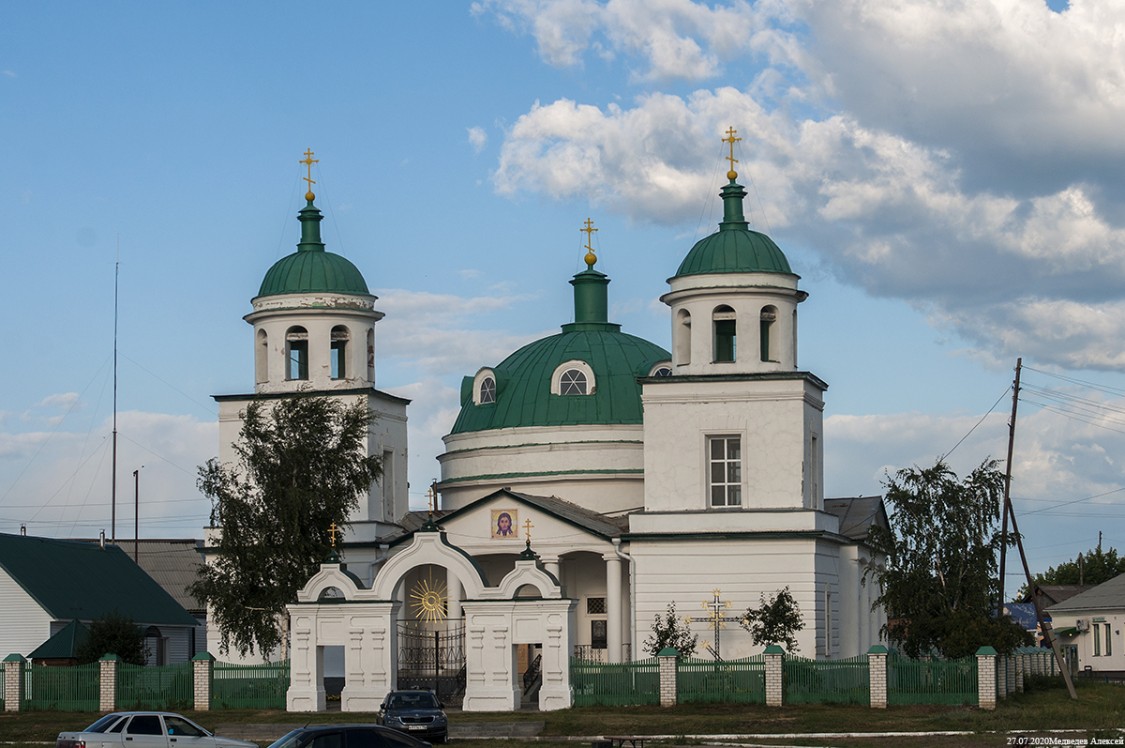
527,388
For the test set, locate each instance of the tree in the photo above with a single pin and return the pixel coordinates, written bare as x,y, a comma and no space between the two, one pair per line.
113,634
302,467
775,621
670,631
939,582
1090,568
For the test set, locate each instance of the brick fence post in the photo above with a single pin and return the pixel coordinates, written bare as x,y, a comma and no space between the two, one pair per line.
775,672
668,658
1001,678
203,670
1021,671
877,674
108,668
13,682
986,678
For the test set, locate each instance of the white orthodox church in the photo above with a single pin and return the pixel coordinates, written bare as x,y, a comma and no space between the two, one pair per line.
610,476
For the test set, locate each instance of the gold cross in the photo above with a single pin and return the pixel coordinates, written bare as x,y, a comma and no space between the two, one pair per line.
527,528
333,531
589,230
308,161
732,174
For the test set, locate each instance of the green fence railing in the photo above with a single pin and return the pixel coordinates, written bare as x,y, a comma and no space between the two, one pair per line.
931,680
155,687
827,681
249,686
618,684
71,688
709,681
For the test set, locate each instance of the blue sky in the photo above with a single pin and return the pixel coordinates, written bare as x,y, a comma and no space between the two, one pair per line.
945,179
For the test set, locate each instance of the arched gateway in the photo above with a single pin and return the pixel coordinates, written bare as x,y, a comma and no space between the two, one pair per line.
335,609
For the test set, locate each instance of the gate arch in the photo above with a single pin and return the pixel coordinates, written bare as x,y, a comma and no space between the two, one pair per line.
365,622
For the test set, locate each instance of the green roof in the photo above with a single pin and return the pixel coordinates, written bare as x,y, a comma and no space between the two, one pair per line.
64,645
523,379
72,579
311,269
734,248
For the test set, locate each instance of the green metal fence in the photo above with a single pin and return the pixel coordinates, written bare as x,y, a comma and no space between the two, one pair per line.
250,686
733,681
827,681
931,680
159,687
73,688
620,684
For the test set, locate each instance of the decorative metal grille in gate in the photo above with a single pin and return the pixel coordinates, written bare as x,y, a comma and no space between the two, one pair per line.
432,658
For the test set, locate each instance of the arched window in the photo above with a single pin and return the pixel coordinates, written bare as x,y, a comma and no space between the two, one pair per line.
261,358
371,355
662,369
767,320
297,353
487,391
339,353
573,378
682,335
572,382
726,334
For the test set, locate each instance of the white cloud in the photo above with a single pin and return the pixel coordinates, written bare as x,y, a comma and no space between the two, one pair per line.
973,169
478,138
60,483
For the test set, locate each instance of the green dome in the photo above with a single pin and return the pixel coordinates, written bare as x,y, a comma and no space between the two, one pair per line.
311,269
734,248
523,379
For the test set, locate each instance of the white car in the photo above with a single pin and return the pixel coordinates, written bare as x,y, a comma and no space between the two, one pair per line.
146,730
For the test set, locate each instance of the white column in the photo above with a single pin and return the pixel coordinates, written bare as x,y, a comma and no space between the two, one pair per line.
613,606
551,564
453,597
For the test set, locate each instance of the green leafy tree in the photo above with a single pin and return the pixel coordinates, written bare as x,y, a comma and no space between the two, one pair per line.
302,467
670,631
939,581
1092,567
113,634
775,621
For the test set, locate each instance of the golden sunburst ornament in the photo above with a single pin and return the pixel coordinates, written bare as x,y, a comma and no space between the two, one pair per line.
428,599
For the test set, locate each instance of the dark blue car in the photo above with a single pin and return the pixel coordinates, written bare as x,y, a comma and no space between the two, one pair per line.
415,713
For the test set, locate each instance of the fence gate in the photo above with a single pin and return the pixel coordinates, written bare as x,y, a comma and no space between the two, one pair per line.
432,659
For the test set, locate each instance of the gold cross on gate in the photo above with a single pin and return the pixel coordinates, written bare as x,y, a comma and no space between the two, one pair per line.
333,531
308,161
732,174
527,528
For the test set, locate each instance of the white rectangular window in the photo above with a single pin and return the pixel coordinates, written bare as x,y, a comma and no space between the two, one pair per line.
1108,641
724,458
1097,642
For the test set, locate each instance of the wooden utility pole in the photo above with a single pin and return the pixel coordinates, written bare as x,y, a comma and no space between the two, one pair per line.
1009,512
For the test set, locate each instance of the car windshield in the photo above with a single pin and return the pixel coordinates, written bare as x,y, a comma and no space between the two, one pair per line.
288,740
103,724
413,701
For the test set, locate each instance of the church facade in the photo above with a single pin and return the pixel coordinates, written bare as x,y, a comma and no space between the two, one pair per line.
637,477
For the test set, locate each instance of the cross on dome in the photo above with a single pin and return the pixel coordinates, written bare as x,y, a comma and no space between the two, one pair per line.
730,138
589,230
308,161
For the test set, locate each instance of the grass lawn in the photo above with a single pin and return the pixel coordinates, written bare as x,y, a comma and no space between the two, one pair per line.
1098,712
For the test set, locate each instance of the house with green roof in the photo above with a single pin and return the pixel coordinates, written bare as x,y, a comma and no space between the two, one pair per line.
47,585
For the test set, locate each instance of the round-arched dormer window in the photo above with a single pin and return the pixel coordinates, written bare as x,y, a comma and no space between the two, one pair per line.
573,378
487,391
